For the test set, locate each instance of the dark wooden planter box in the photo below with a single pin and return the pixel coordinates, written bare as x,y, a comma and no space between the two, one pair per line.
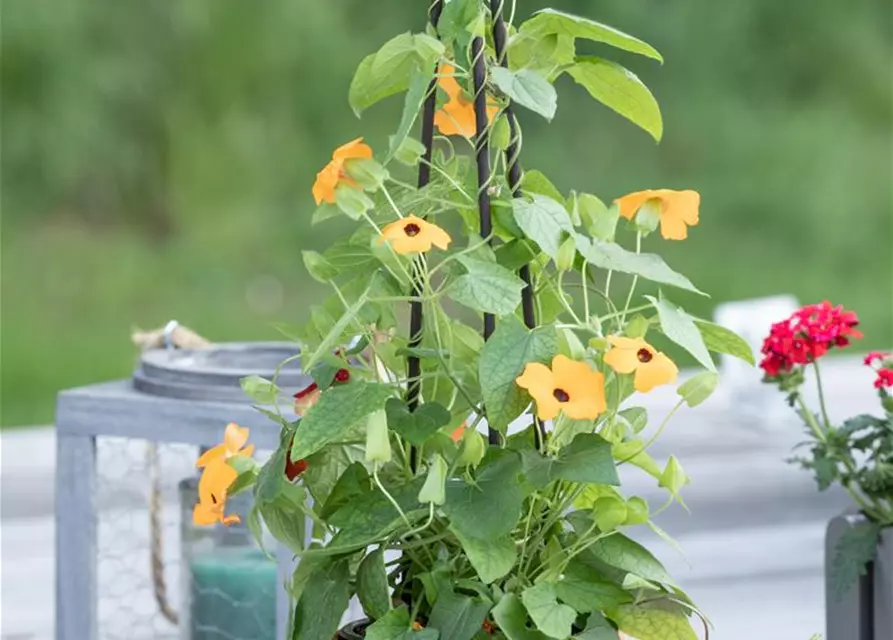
866,611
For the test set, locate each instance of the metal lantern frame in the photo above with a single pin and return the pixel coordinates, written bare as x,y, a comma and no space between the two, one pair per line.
188,414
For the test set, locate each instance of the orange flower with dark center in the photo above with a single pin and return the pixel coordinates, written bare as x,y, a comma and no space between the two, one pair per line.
634,355
678,209
569,386
456,117
234,438
414,235
212,488
333,174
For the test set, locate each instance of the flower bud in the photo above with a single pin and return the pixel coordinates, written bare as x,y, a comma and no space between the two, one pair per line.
472,448
378,443
434,489
409,152
566,254
366,172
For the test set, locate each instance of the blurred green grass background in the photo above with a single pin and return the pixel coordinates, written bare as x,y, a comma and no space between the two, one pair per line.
157,159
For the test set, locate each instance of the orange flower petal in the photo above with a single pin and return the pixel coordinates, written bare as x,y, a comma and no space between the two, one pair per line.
661,370
631,202
326,181
353,149
585,388
235,437
214,454
203,515
446,80
458,432
231,519
622,357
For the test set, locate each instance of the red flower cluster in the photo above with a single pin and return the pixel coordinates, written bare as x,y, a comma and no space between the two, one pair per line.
884,369
806,336
304,399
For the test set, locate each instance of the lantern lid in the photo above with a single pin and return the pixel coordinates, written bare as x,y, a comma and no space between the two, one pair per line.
213,373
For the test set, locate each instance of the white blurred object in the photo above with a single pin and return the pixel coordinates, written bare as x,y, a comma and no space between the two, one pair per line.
742,383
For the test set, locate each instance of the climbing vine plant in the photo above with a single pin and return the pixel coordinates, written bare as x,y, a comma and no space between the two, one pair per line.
477,367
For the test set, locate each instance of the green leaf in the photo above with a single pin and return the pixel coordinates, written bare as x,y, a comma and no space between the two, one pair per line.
454,24
395,625
680,327
547,54
698,388
492,557
633,452
412,106
852,553
353,483
388,71
245,480
536,182
337,410
527,88
722,340
674,478
487,287
552,618
372,585
653,622
323,601
637,417
511,618
543,220
418,426
259,389
492,505
350,254
619,89
502,359
607,255
372,515
552,21
616,550
600,221
318,267
584,589
330,339
597,628
586,459
458,617
515,254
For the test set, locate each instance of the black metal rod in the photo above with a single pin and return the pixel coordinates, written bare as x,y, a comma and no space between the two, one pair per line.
413,364
482,151
513,164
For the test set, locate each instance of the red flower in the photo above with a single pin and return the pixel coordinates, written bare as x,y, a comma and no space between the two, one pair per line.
806,336
293,468
884,379
884,368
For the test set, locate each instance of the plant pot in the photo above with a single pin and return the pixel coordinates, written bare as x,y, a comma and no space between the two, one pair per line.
353,631
883,587
865,612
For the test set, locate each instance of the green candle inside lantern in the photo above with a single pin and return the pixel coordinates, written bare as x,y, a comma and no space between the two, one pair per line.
229,584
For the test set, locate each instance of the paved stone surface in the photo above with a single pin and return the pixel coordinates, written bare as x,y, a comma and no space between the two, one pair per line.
753,541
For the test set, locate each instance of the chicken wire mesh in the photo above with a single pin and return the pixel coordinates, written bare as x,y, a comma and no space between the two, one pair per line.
218,586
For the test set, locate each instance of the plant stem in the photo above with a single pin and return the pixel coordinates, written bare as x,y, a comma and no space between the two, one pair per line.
632,287
818,384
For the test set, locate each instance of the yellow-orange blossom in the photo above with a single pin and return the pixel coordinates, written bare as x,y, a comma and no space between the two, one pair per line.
333,173
678,209
633,355
569,386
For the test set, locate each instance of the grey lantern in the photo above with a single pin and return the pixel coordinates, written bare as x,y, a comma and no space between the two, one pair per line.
176,398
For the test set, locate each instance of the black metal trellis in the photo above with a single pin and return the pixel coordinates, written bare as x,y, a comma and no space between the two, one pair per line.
414,364
484,175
